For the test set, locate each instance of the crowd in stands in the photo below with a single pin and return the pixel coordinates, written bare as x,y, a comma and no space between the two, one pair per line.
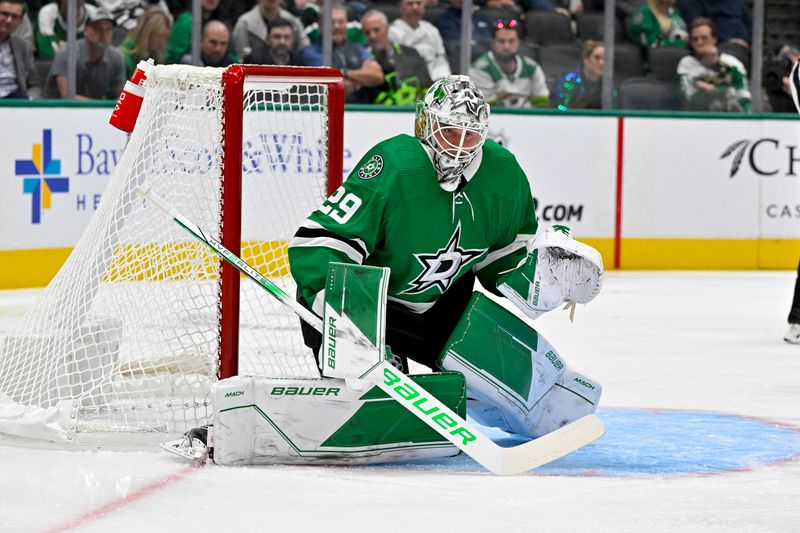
668,54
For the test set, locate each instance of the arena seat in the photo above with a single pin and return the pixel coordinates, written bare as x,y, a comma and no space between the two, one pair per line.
664,62
649,94
548,27
43,68
590,26
432,13
737,50
558,59
627,61
391,10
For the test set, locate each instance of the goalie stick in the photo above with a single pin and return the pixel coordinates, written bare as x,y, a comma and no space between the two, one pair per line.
410,395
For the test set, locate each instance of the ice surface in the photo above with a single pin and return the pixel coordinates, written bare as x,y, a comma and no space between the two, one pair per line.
677,353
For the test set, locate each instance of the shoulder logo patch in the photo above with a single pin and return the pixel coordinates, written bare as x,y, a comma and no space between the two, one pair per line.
371,168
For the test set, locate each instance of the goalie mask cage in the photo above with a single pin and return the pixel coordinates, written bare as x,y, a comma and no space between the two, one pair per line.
128,337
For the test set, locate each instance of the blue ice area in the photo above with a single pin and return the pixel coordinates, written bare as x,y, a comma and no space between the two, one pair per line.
660,443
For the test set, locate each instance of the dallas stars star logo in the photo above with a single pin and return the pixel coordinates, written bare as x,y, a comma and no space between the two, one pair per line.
440,269
474,105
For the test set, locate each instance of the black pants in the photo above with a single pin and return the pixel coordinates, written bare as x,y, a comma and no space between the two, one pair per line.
19,93
420,337
794,312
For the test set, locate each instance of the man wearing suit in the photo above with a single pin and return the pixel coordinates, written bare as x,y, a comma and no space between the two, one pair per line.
18,75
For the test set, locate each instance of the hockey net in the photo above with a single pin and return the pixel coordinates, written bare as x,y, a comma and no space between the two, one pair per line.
142,319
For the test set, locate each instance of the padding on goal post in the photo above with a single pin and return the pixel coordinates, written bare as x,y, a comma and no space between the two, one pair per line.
141,319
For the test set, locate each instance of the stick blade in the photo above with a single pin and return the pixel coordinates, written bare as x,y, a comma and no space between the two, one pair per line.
552,446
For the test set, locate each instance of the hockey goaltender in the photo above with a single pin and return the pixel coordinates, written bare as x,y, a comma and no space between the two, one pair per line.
438,209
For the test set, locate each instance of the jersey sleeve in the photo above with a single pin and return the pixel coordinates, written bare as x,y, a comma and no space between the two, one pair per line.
510,249
345,228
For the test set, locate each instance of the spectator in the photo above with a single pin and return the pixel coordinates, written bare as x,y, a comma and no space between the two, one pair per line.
279,47
18,75
307,11
228,11
711,81
568,8
25,29
126,13
658,23
449,24
214,43
776,78
411,30
51,28
730,17
404,70
701,34
179,42
354,32
506,78
624,10
99,68
251,28
359,70
147,40
583,89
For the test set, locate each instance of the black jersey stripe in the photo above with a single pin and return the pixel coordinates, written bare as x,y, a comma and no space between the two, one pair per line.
317,233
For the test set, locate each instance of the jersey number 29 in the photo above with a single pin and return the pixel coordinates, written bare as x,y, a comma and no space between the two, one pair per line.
340,206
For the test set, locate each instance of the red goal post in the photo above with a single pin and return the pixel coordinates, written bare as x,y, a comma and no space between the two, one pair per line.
234,80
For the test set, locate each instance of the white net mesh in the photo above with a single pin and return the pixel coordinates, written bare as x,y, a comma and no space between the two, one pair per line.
126,336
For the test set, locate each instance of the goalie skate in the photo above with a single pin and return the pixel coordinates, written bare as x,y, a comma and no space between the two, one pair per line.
192,446
792,335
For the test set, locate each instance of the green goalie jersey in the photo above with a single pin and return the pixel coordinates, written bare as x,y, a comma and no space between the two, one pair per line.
391,212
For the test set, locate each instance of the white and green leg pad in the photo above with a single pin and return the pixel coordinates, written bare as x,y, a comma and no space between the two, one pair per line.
354,320
323,421
339,418
516,380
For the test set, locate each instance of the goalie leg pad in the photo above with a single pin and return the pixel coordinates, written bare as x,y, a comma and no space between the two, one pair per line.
354,320
514,375
573,396
323,421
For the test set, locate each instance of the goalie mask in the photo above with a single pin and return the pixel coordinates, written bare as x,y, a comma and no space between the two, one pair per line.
452,120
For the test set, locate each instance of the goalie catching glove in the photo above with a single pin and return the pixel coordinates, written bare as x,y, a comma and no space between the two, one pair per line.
557,269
